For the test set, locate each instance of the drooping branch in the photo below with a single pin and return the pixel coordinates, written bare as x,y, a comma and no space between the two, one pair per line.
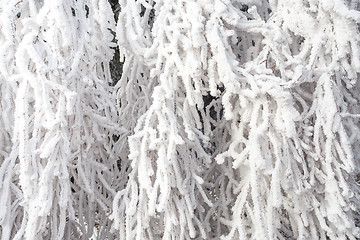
64,119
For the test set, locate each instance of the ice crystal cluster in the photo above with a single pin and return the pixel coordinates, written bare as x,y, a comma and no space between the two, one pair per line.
232,119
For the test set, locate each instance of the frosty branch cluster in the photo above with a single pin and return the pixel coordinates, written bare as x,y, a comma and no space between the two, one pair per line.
232,119
58,116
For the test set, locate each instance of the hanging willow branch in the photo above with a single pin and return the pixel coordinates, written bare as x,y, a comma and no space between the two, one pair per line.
231,119
283,81
57,176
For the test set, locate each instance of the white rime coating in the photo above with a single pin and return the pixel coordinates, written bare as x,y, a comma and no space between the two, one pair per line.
272,155
232,119
57,113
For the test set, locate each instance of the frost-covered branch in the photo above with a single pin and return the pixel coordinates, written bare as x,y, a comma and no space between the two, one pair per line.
232,119
61,160
278,79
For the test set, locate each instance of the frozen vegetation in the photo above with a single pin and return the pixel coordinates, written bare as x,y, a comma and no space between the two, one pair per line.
230,119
